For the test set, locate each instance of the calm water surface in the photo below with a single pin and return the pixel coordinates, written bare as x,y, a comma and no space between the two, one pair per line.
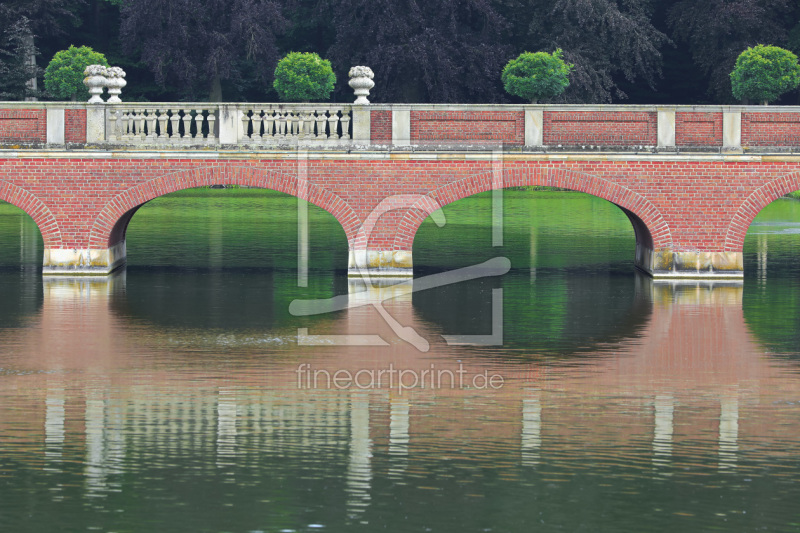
172,397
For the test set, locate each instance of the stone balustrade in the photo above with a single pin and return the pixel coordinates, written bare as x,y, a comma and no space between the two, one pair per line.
162,124
280,124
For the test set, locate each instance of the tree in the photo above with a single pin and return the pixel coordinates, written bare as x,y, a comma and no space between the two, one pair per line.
606,40
431,51
536,76
302,77
764,73
16,49
718,30
20,21
63,77
199,43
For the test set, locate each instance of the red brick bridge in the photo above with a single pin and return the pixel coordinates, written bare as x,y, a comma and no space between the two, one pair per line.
690,179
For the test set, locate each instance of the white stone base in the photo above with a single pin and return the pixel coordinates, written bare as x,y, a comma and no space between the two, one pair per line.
380,263
83,262
666,264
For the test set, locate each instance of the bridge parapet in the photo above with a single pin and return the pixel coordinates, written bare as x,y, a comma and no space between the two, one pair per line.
528,128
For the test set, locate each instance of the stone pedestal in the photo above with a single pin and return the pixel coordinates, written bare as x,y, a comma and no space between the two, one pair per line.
380,263
83,262
668,264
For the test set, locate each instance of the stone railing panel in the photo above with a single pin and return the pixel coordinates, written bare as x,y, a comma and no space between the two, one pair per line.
288,124
150,124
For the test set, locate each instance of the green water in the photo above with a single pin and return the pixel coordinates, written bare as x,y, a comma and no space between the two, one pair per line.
172,397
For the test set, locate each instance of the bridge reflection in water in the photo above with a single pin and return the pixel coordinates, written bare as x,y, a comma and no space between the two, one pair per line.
105,385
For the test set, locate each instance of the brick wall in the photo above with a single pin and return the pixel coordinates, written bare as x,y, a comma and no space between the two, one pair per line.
600,128
507,127
770,129
698,129
75,126
381,127
708,206
23,126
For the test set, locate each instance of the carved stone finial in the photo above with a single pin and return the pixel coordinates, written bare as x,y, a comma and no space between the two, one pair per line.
115,82
361,82
95,80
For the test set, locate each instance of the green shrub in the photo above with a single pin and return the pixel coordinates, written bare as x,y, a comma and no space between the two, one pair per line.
763,73
537,76
302,77
63,77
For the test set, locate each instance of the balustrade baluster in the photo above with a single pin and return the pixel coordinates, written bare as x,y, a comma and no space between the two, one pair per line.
345,120
187,126
257,125
151,125
139,125
198,125
321,120
333,124
125,126
174,120
295,118
282,123
162,125
246,125
211,132
269,120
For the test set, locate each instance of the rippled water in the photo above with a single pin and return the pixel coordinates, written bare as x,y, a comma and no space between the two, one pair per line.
172,397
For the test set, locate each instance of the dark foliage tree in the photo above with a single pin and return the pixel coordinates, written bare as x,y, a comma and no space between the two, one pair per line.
16,49
22,22
431,51
717,31
606,40
196,44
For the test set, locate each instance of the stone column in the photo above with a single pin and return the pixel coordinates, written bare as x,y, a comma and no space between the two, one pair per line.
732,131
401,126
361,125
83,262
666,128
55,125
534,127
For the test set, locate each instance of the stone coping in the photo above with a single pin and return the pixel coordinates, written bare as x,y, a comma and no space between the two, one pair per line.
425,107
246,154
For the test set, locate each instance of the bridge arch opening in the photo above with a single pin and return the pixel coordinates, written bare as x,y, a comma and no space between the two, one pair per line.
226,228
550,228
651,234
107,240
21,252
771,296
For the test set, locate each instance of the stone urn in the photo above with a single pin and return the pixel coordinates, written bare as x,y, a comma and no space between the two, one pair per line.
95,81
115,81
361,82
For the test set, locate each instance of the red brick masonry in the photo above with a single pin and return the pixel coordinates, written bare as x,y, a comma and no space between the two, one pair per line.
770,129
507,127
82,203
698,129
600,128
23,125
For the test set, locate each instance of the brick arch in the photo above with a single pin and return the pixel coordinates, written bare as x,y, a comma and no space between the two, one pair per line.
650,227
752,206
109,226
36,209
